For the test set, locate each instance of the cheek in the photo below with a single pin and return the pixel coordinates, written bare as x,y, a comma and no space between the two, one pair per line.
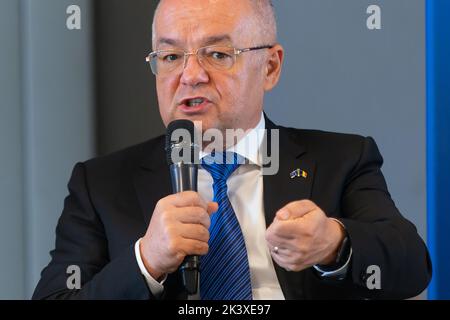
165,89
232,90
242,90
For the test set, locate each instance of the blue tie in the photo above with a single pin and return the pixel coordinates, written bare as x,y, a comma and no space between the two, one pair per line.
224,271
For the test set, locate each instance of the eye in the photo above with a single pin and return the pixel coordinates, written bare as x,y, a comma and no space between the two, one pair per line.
217,55
170,57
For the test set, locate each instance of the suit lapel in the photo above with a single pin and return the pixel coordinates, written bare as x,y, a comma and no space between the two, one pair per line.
152,179
152,183
280,189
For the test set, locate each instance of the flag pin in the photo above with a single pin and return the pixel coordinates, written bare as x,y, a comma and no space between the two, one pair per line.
299,173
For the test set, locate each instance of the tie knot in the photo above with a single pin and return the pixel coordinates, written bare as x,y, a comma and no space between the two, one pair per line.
222,165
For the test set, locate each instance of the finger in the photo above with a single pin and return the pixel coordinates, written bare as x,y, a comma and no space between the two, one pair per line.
193,215
281,261
194,247
297,230
195,232
283,230
281,258
295,210
187,199
280,251
288,264
275,240
282,244
212,208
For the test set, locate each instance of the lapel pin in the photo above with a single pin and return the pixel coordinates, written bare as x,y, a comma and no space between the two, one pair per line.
299,173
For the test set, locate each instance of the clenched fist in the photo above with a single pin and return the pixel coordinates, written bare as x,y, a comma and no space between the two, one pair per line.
303,236
178,228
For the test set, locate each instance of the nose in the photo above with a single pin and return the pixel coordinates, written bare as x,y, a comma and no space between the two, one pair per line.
193,72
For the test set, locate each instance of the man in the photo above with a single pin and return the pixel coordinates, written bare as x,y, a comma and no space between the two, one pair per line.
324,226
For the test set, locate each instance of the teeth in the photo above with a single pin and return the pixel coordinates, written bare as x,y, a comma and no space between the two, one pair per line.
195,102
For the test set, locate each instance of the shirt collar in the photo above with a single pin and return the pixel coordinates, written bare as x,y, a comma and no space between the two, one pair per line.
249,146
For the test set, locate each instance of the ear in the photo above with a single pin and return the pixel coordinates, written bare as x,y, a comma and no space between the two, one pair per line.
273,67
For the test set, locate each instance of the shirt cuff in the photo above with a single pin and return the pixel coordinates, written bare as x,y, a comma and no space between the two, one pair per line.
339,273
155,287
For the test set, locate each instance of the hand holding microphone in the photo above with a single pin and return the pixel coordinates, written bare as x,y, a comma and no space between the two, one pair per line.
178,228
178,231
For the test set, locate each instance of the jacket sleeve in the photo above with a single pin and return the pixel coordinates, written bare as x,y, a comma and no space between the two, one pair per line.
81,242
379,235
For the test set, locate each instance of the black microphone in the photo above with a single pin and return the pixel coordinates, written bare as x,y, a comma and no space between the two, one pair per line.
182,157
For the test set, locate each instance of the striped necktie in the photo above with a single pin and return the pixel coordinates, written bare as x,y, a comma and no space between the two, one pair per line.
225,273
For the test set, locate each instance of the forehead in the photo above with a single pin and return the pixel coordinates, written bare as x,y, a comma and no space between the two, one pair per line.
194,22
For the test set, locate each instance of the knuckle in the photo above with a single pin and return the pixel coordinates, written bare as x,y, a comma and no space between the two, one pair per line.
278,229
273,229
199,246
202,230
305,231
277,260
269,236
300,247
294,267
299,255
191,193
308,230
160,205
207,223
204,235
179,258
204,219
165,218
192,196
308,202
205,249
170,231
172,269
178,197
173,247
200,213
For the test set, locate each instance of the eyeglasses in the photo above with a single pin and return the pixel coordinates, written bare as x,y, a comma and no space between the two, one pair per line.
220,58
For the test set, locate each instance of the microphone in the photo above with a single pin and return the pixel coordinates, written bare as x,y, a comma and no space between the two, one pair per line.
182,157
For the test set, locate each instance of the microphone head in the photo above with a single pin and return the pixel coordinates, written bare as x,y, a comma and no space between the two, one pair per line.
180,146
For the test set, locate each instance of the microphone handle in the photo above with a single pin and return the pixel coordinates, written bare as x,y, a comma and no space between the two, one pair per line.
184,177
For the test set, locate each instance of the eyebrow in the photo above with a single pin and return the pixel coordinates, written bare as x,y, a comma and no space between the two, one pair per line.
167,41
217,39
208,41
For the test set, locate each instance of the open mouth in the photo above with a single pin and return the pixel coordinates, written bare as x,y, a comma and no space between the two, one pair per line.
194,102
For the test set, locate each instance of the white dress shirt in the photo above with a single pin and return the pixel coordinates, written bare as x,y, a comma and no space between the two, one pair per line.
245,191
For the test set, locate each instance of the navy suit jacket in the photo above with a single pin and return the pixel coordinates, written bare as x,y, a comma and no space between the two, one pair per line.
111,200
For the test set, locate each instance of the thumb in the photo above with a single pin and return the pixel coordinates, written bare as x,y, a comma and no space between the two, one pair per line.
283,214
212,207
296,209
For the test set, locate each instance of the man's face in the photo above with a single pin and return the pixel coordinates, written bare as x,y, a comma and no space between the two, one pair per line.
232,98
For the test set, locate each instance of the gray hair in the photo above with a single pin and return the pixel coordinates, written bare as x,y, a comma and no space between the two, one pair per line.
265,18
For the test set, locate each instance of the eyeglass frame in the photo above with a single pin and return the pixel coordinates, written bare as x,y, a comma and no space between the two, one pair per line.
236,53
